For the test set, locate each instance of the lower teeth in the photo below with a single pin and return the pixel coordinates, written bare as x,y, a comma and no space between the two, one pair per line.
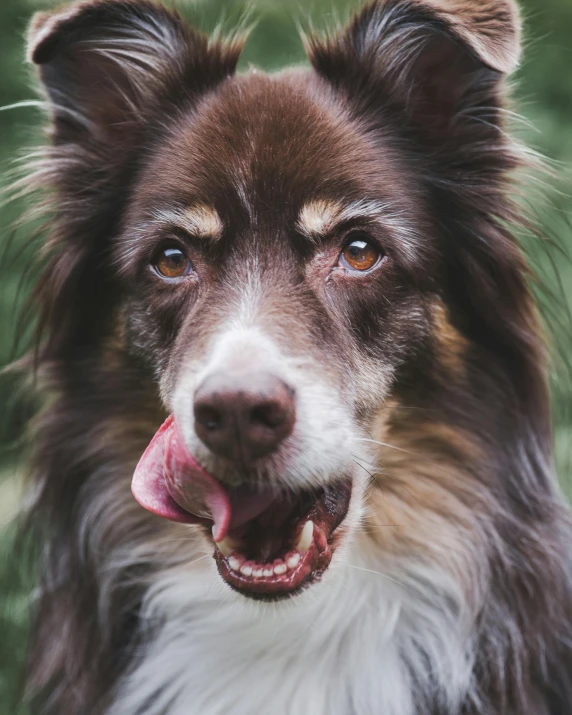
234,563
293,561
277,569
228,547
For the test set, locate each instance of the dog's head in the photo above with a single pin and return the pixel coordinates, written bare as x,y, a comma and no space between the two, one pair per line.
283,254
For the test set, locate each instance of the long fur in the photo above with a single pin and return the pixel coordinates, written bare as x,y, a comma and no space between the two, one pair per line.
451,592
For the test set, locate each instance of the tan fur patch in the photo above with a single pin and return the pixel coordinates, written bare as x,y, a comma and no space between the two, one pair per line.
451,345
425,495
205,221
200,220
318,218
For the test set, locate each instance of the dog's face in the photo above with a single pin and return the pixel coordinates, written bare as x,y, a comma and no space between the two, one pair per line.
274,261
277,253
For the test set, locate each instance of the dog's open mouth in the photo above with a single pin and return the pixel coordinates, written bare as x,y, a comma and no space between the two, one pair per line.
266,545
287,546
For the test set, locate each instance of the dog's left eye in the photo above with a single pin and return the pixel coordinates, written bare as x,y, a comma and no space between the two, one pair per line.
172,263
360,254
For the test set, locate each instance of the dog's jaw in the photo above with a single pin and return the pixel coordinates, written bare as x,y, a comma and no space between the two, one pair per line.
354,636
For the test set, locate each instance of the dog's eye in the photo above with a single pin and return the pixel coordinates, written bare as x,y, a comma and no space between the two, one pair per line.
172,263
360,254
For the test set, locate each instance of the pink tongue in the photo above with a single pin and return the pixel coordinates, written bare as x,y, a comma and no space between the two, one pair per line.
169,482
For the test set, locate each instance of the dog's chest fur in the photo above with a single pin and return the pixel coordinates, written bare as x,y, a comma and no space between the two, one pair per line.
363,644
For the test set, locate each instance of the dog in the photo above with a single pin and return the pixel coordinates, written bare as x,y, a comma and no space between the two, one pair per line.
296,452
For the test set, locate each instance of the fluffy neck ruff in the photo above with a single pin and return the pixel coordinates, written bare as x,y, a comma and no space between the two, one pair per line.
373,637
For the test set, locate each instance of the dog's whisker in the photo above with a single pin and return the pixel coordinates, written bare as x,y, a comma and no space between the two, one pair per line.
377,573
383,444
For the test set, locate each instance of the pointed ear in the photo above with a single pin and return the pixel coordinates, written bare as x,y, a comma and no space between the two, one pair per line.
438,60
107,65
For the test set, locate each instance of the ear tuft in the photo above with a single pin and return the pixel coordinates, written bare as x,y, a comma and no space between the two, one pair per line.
38,30
438,62
491,28
108,64
48,29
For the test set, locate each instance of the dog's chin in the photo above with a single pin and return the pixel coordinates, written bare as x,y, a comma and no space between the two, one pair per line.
288,546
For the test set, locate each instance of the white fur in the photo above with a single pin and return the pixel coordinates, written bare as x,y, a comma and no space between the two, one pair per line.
352,645
324,442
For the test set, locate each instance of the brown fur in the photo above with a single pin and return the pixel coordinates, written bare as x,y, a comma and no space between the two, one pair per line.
440,355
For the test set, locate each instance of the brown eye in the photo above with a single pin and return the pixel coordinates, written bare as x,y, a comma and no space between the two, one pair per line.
172,263
360,255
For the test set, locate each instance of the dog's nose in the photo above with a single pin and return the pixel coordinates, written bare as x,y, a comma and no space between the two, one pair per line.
244,416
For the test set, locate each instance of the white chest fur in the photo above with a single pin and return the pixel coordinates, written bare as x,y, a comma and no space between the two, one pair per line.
366,641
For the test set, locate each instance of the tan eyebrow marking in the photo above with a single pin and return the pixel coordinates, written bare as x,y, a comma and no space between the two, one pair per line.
318,218
200,220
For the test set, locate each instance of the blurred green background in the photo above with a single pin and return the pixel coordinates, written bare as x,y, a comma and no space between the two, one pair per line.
543,94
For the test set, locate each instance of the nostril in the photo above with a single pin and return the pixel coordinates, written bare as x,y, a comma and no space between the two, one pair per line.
209,417
270,414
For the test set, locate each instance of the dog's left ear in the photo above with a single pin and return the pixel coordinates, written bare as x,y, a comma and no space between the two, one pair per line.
436,60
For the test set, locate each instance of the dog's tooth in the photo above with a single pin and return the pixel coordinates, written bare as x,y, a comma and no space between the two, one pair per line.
305,539
258,573
224,547
246,570
268,572
227,545
293,561
234,563
280,569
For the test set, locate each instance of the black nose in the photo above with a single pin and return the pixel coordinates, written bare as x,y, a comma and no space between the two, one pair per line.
244,416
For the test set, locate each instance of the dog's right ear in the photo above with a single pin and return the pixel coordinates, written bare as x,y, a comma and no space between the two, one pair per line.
115,74
107,64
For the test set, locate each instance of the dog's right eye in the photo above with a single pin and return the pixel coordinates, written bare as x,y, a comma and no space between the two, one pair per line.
171,263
